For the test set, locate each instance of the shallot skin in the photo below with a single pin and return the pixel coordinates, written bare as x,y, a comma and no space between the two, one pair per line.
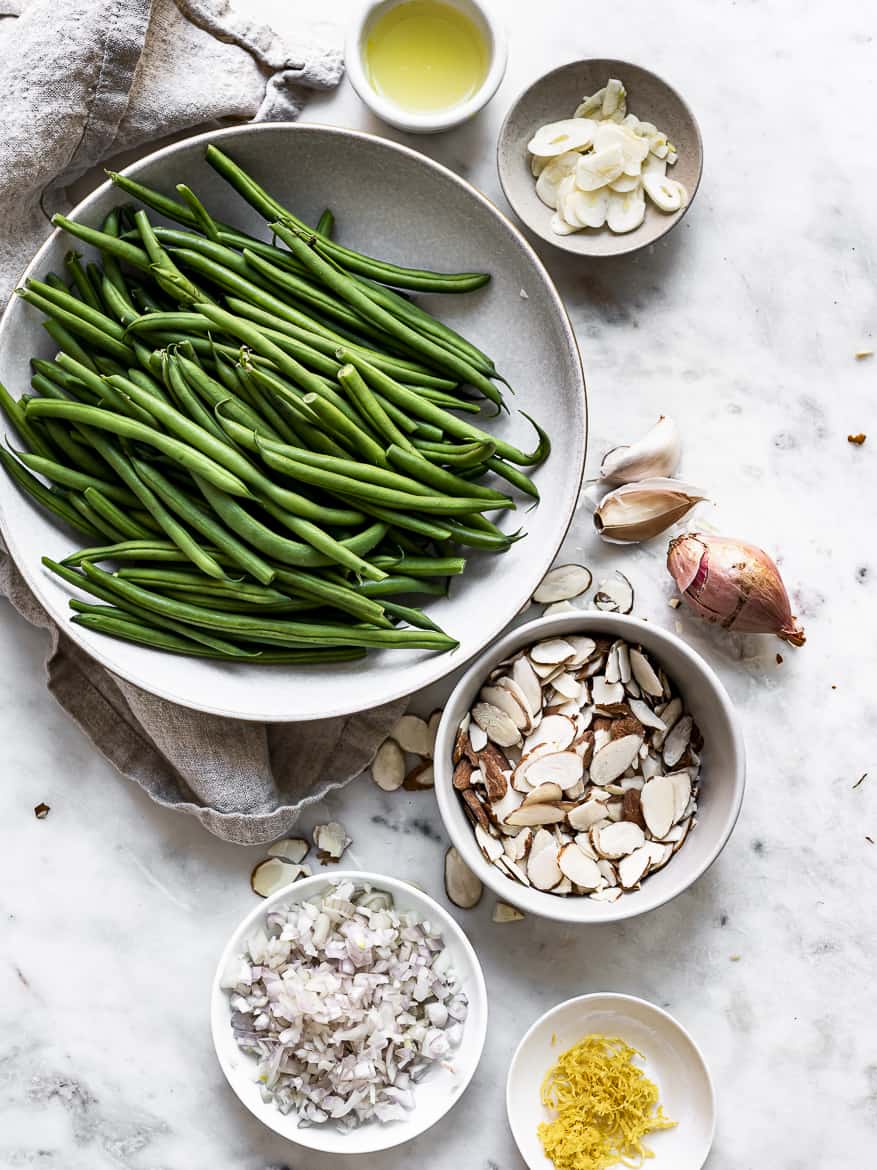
732,584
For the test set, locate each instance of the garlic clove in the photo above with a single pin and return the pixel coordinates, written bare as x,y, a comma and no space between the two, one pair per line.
656,454
639,511
732,584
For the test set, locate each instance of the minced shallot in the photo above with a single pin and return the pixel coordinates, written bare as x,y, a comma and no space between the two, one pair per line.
346,1003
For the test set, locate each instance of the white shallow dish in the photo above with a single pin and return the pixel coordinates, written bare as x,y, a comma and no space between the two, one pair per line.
439,1090
722,778
394,203
672,1060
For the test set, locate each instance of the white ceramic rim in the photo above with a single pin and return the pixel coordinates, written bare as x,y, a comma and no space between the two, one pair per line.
442,667
577,911
300,891
431,121
545,233
621,999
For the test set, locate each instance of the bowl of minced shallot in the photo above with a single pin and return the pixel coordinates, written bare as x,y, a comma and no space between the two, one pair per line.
348,1012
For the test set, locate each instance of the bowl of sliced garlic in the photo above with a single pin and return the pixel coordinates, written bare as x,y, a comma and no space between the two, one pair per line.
600,157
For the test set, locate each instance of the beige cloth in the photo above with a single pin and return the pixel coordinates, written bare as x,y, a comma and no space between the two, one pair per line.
84,79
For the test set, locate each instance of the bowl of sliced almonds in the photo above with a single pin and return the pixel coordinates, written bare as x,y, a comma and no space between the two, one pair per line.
589,767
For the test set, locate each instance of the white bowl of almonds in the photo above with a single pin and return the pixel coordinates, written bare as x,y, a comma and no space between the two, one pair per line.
589,768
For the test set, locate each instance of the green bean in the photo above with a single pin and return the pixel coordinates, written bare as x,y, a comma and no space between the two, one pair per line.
369,406
188,401
79,457
93,517
45,498
399,583
121,249
435,477
419,524
262,629
183,581
113,515
215,394
201,520
477,538
67,343
58,282
98,589
119,303
326,224
327,342
347,290
357,438
94,317
128,550
165,273
295,411
463,455
143,634
355,261
278,547
282,417
457,427
414,617
71,478
104,390
78,325
513,476
16,415
422,566
81,280
187,456
202,217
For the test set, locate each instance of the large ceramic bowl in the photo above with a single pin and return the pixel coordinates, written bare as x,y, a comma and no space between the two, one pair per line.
435,1094
722,777
391,202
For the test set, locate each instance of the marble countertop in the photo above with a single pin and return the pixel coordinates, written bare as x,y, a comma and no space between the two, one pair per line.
743,325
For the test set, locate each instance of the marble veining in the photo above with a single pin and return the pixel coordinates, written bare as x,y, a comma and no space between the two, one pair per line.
743,325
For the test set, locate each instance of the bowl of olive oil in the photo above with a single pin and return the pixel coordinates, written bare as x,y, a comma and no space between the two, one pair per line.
425,65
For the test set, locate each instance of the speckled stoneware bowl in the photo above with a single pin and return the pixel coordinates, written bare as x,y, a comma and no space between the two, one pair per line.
391,202
556,96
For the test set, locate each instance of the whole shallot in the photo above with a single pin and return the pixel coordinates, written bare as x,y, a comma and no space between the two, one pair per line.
732,584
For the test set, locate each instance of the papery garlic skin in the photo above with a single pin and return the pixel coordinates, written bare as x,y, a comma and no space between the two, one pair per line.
656,454
732,584
640,511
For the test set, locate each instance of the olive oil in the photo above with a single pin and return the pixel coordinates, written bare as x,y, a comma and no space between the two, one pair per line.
426,55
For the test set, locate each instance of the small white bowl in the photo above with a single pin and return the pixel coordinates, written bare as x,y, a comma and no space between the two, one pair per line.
439,1090
672,1060
424,121
722,782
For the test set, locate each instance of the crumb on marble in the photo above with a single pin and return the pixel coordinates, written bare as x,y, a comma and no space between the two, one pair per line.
674,602
857,439
870,840
41,810
861,354
735,958
861,780
779,659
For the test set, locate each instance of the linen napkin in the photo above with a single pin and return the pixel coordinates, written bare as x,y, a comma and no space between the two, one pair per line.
83,80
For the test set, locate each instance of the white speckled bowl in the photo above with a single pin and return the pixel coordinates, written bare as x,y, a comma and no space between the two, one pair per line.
390,202
722,782
439,1090
672,1060
555,96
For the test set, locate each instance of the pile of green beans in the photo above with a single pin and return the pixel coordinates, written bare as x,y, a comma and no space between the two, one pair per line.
269,449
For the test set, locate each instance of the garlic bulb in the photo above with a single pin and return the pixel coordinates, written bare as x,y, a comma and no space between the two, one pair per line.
656,454
639,511
732,584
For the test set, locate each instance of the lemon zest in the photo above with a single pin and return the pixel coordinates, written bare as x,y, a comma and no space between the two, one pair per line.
604,1106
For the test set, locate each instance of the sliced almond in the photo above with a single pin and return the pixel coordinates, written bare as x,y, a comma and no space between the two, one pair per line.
613,759
606,694
502,698
568,686
631,808
551,652
463,745
643,712
583,649
543,794
331,840
420,778
493,766
658,800
411,733
489,845
669,713
476,809
542,839
581,870
558,730
645,673
462,886
495,724
583,841
275,874
432,727
503,808
633,868
536,814
617,840
543,870
507,683
563,583
564,769
583,816
682,794
527,679
659,854
516,848
388,766
676,743
607,871
504,913
607,894
614,595
477,739
462,775
292,849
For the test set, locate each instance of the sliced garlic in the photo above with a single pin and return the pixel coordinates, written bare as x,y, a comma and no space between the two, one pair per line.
587,208
626,210
599,169
664,193
557,137
553,175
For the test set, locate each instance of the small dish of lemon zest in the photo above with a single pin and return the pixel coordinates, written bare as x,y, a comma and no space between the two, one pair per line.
604,1106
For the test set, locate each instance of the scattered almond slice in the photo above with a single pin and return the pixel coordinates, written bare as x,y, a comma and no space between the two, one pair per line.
563,583
420,778
292,849
331,840
432,727
504,913
411,733
275,874
614,595
462,886
388,766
